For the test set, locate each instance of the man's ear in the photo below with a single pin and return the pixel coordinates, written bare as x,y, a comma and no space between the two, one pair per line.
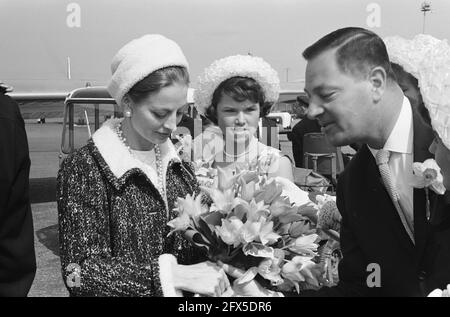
378,81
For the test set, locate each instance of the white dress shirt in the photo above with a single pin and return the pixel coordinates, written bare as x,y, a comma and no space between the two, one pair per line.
400,144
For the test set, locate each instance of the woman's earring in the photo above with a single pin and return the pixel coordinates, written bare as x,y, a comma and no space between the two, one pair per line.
127,113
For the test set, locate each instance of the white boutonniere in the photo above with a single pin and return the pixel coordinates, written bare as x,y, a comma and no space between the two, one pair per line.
428,175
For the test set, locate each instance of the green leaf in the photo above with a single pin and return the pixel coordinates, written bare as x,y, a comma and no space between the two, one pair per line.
207,231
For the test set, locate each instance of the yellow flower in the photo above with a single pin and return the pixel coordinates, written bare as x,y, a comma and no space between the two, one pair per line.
230,231
269,193
224,201
188,208
266,234
247,189
305,245
256,210
301,269
226,179
250,231
180,223
192,207
270,269
293,192
250,211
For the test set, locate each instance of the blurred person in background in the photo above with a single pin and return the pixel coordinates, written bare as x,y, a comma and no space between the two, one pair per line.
17,255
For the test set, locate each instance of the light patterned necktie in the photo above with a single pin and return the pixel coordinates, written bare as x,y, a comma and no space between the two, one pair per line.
382,159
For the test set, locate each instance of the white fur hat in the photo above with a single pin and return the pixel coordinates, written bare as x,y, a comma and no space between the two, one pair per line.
427,59
139,58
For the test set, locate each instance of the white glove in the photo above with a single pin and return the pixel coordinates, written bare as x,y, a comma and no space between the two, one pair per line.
440,293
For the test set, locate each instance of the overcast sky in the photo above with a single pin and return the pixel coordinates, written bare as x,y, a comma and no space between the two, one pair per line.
39,35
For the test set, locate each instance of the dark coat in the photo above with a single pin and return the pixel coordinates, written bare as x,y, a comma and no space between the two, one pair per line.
17,257
114,229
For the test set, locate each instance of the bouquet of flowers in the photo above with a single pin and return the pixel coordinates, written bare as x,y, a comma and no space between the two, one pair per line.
253,226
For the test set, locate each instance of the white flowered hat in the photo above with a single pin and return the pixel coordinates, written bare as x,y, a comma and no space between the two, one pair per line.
427,59
233,66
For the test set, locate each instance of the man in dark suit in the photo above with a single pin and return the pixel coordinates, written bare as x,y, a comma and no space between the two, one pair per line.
355,97
17,256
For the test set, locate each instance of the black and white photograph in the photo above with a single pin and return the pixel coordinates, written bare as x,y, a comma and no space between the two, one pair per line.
247,150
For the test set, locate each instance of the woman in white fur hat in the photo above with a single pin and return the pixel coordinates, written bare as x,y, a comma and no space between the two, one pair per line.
117,193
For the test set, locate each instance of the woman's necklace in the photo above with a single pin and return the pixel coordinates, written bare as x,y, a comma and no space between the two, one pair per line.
251,145
240,160
159,171
233,156
159,165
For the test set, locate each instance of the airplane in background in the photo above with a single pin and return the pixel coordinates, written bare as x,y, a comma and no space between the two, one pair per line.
82,111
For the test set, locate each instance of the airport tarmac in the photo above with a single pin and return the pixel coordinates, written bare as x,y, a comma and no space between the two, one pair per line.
44,141
48,281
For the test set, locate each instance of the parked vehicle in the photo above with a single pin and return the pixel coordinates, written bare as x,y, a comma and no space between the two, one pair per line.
284,119
85,109
289,102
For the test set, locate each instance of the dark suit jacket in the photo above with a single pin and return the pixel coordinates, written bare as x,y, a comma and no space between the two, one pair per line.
17,257
372,232
436,258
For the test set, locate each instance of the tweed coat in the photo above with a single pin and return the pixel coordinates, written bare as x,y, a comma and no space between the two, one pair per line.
113,220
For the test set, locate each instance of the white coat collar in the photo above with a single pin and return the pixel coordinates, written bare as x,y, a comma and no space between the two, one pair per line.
117,155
